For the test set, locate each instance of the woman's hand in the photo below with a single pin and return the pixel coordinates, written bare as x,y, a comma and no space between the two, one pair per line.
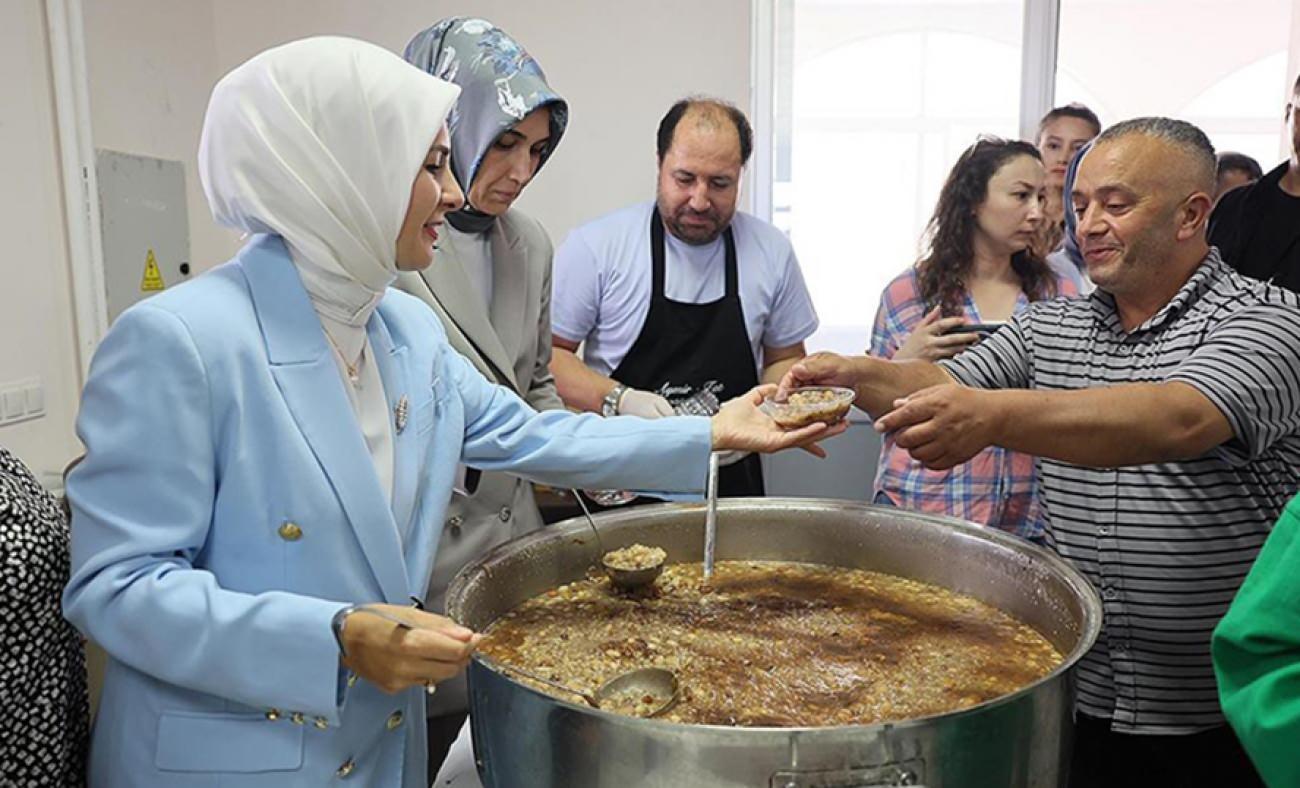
741,426
928,341
393,658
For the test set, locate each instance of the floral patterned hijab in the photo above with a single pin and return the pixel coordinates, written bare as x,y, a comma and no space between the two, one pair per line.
500,83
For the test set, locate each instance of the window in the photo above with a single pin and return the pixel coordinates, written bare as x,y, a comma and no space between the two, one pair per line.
1220,66
873,100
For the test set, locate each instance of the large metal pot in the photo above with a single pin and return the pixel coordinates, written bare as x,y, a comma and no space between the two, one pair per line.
524,738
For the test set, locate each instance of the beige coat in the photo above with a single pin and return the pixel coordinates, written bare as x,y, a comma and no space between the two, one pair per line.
510,346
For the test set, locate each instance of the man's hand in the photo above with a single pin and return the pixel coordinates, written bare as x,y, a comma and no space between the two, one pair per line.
393,658
645,404
820,369
943,426
928,341
740,425
877,383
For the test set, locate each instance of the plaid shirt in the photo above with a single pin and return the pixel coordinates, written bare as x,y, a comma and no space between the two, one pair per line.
996,487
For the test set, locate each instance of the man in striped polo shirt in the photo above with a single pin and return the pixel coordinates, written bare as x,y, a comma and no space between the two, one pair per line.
1165,412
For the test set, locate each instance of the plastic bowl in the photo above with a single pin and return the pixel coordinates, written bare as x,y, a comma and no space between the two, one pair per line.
809,405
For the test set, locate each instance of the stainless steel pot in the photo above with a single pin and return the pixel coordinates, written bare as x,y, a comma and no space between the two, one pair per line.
524,738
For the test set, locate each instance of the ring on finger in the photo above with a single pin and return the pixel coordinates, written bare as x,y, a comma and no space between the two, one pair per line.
430,687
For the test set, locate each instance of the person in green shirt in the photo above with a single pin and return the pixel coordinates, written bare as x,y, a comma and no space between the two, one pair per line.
1256,650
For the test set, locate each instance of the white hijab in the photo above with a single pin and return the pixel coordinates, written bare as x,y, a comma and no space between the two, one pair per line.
319,141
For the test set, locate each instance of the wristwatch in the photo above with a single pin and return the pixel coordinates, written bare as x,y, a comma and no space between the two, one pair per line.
609,405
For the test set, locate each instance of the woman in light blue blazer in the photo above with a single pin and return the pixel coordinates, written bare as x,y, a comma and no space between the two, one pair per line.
274,443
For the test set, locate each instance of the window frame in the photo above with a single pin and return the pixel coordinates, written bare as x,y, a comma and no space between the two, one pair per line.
1039,36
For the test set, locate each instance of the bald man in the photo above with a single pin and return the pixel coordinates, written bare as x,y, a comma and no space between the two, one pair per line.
1165,412
682,302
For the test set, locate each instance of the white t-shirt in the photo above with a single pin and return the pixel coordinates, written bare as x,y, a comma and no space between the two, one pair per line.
602,280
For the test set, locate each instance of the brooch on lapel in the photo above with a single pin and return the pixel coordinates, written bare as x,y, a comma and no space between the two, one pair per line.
400,412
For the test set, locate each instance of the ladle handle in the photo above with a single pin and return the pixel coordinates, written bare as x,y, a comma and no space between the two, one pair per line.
591,700
378,613
711,517
577,496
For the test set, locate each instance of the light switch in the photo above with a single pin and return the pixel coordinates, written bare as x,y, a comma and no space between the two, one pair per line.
35,396
15,404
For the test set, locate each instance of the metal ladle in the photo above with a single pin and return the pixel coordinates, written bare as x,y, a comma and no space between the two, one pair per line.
711,517
658,683
626,579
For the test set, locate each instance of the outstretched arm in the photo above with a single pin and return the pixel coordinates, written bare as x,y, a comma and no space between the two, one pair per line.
1236,395
878,383
1132,424
658,457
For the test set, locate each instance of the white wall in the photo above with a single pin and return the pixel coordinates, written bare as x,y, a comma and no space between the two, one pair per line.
151,65
36,320
619,63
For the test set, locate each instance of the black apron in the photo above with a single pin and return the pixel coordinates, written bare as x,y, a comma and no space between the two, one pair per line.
687,350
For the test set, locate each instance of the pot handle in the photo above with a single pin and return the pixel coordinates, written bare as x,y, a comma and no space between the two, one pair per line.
904,773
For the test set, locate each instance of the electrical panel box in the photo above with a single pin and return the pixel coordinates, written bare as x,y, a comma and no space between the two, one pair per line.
146,231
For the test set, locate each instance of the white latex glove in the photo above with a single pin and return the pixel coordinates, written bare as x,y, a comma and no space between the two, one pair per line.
645,404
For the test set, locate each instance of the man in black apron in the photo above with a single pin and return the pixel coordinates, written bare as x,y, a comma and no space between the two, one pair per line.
687,357
669,358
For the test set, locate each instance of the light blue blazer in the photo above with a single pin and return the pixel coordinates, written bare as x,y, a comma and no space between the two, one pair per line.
227,507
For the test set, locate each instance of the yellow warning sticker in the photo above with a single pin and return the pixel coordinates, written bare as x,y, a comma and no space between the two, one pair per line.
152,276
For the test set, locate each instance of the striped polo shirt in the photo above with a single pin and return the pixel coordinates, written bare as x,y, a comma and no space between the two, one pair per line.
1167,544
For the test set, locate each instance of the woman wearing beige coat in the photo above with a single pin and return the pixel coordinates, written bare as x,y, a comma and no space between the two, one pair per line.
492,286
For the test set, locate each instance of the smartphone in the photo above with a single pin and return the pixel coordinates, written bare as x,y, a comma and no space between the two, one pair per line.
983,329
